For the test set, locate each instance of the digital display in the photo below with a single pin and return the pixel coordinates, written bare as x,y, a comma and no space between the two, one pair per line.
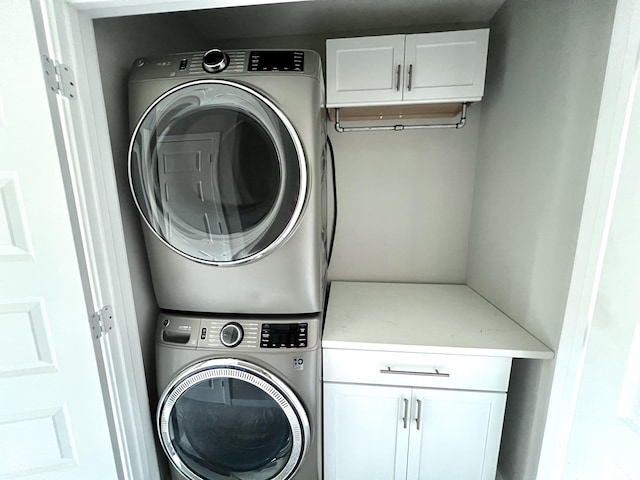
283,335
276,61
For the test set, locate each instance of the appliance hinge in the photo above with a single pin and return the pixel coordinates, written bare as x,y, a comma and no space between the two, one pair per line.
101,322
59,78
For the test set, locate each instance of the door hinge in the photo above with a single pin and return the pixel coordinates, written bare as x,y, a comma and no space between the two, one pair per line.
101,322
59,78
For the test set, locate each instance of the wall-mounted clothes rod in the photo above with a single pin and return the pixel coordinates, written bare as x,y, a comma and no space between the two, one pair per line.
459,124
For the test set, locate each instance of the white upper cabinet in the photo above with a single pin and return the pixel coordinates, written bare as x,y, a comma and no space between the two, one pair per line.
407,69
365,70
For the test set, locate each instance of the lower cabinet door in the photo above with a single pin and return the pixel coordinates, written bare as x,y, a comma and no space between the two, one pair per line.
454,434
366,432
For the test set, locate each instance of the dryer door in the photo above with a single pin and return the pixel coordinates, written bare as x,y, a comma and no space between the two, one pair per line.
230,419
217,172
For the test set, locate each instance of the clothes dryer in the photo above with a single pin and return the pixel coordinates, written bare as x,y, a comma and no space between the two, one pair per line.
227,169
240,398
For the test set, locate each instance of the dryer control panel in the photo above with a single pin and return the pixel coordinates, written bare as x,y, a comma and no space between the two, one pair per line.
276,61
227,64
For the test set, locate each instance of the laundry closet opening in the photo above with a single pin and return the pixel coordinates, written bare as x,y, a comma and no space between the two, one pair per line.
495,205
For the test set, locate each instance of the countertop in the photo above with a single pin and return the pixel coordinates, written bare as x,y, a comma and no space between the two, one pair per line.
423,318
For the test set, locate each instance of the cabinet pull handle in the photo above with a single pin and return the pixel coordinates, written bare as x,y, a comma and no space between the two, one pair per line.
419,414
437,373
410,75
398,78
405,415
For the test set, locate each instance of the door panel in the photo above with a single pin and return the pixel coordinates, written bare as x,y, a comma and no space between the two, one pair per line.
447,65
365,69
52,416
364,435
226,419
455,434
217,172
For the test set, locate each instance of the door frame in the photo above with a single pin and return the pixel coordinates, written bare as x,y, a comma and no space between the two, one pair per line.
606,161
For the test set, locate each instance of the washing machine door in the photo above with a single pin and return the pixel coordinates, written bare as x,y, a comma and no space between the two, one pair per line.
231,419
218,172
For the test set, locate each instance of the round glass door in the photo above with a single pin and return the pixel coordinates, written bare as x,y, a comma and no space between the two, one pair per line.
217,172
229,419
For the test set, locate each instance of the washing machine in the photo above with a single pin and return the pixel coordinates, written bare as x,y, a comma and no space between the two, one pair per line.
227,170
240,397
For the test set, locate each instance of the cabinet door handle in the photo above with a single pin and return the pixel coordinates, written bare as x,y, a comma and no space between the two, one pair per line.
437,373
405,415
398,78
418,414
410,75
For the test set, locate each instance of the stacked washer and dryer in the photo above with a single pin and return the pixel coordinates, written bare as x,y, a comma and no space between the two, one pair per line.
227,169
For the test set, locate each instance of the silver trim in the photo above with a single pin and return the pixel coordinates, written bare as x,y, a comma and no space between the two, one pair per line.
437,373
405,415
253,374
302,161
215,67
240,334
419,414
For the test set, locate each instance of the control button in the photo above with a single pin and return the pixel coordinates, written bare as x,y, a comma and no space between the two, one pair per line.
183,64
231,334
166,322
203,334
215,60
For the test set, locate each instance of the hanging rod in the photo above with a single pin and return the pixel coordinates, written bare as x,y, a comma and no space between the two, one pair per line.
461,122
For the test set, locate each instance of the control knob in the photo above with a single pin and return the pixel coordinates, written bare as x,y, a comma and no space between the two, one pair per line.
215,60
231,334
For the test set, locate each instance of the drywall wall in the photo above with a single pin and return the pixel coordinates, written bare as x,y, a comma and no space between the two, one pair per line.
544,81
120,41
404,204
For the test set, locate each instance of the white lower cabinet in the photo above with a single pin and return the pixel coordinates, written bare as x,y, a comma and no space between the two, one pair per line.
415,381
395,433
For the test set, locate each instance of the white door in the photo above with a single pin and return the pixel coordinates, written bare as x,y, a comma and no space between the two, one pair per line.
446,65
365,70
455,434
604,442
52,417
365,432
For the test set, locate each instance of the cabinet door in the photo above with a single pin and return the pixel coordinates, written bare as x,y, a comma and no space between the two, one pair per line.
446,67
364,70
455,434
364,434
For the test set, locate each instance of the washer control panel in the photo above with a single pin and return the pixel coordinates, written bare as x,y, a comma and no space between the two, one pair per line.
246,334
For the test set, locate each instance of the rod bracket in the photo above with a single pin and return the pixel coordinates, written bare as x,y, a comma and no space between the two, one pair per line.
397,128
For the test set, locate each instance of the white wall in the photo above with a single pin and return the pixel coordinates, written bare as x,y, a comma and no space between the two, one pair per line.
544,81
404,204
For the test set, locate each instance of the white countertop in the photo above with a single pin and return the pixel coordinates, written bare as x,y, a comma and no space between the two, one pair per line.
423,318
